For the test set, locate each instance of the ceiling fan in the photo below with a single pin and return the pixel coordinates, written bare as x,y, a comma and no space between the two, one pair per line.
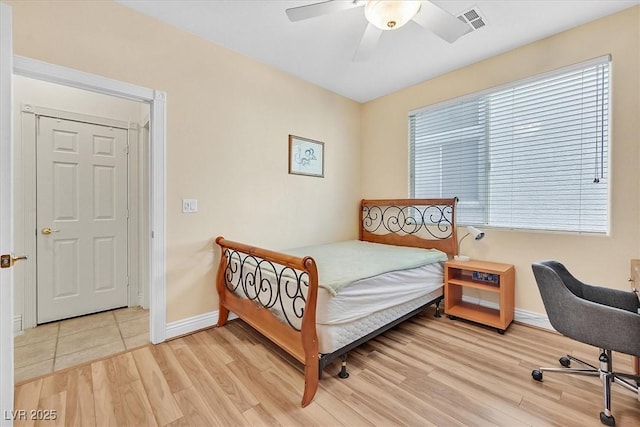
385,15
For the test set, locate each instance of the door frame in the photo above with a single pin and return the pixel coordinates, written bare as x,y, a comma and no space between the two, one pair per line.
6,215
157,183
26,238
35,69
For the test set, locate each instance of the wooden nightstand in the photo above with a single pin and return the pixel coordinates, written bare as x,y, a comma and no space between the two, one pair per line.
484,275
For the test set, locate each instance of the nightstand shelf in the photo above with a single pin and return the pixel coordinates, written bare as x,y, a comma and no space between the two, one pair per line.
485,276
475,284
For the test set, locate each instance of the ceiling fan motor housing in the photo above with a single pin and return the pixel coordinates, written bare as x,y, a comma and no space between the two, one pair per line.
389,15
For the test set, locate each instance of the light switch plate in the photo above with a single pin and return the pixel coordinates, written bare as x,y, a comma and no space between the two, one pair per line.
189,205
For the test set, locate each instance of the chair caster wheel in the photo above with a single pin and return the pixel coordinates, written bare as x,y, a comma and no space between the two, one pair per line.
452,317
565,361
537,375
607,420
501,331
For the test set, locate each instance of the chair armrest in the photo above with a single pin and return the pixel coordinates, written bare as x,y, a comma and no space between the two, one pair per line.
603,326
623,300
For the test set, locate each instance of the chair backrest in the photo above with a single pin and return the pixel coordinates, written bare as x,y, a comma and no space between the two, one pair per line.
602,317
556,295
574,285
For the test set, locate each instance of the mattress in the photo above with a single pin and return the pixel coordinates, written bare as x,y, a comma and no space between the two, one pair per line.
368,304
343,316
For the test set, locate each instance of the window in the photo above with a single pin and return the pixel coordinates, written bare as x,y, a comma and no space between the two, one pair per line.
530,155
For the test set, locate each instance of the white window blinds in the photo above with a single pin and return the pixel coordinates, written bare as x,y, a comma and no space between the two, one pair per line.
533,155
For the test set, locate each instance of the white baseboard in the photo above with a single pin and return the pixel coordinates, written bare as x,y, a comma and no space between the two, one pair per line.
533,319
142,303
207,320
522,316
17,324
193,324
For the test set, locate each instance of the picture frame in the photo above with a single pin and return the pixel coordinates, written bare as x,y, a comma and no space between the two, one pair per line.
306,156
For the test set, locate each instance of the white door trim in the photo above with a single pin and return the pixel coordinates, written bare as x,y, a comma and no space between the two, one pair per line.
6,216
32,68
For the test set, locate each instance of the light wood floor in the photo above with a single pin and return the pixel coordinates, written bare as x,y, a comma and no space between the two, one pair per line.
424,372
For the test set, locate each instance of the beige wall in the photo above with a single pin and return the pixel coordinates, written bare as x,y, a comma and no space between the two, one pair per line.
228,122
229,117
600,259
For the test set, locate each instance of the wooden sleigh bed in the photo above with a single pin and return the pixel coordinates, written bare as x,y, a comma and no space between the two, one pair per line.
282,295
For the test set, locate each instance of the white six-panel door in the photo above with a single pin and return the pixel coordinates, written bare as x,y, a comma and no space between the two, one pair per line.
82,218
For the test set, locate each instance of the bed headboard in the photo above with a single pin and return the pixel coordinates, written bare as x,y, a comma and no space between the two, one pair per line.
421,223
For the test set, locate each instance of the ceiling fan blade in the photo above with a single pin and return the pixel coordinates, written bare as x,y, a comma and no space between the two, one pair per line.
318,9
440,22
368,43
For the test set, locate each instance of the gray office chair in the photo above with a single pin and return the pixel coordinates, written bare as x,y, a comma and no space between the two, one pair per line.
601,317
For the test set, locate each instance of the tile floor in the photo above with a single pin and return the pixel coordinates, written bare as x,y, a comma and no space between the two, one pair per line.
58,345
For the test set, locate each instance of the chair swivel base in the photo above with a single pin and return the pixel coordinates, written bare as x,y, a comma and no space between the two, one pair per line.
628,381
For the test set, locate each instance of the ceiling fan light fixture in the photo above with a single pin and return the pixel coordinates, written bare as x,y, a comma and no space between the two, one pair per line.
390,14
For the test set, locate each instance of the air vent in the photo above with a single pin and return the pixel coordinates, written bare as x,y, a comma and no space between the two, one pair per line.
473,18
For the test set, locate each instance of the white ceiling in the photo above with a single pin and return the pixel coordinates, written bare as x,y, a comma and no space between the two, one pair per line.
320,50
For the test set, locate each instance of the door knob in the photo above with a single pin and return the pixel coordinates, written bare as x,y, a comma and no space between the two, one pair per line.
7,260
47,230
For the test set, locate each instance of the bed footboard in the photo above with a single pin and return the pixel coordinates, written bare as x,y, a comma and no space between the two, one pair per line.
255,283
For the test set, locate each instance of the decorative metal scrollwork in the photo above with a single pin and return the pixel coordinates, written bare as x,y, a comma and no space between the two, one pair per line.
270,285
435,220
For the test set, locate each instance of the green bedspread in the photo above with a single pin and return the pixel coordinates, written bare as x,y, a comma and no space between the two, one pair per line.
344,262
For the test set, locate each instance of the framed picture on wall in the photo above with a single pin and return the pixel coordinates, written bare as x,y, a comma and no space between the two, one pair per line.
306,156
